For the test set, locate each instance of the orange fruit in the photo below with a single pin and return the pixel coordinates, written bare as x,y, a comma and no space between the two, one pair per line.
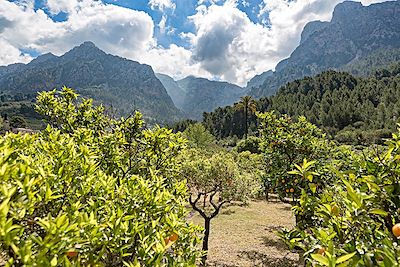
166,241
291,190
321,251
283,181
173,237
72,254
396,230
287,190
335,210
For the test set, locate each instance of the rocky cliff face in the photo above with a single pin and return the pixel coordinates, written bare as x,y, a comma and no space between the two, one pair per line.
121,83
355,31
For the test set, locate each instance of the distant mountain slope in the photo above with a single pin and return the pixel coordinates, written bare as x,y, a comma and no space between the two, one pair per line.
197,95
258,80
174,90
121,83
203,95
355,32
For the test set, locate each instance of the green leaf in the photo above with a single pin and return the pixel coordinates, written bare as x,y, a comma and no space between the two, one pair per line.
321,259
53,262
346,257
313,187
379,212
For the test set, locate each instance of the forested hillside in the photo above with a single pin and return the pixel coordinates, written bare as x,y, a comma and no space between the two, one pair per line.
350,108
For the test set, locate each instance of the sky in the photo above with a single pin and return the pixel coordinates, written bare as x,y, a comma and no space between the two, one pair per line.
227,40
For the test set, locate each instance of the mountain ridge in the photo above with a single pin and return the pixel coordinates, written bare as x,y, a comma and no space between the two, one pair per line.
355,31
120,83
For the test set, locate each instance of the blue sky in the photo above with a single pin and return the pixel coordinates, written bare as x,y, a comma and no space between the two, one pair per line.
176,17
230,40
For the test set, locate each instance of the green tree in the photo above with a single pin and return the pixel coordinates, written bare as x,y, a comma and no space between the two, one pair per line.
198,136
352,217
248,105
92,191
286,142
213,180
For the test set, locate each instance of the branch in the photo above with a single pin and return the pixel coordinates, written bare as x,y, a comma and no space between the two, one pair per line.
193,204
215,213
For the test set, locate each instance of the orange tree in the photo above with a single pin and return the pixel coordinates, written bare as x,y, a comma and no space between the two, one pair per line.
356,218
92,191
286,142
213,180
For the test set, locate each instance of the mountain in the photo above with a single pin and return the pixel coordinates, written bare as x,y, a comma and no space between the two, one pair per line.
354,33
258,80
174,90
197,95
118,82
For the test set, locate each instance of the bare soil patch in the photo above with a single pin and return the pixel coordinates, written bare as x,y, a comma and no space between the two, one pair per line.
246,236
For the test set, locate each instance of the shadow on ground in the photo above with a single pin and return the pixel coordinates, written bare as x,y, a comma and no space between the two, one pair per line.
277,243
220,264
263,260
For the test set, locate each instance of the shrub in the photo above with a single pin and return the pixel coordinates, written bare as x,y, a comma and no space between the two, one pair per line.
91,191
251,144
352,219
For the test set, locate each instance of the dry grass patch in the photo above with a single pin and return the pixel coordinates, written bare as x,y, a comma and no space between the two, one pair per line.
246,236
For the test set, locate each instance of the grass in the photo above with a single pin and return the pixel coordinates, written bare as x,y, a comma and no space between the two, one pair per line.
246,236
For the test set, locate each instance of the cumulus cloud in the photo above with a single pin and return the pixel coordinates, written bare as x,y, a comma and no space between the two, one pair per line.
57,6
228,44
113,28
162,4
9,54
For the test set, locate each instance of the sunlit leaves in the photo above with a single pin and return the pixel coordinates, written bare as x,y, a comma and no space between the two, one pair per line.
90,190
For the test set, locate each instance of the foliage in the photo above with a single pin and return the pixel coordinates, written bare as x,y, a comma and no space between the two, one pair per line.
353,110
352,218
198,136
286,142
17,122
213,180
251,143
181,126
228,121
248,105
91,191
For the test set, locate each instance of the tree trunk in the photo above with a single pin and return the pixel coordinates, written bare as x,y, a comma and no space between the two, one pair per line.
245,123
205,240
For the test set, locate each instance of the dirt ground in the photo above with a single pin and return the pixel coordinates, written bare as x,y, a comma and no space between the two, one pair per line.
246,236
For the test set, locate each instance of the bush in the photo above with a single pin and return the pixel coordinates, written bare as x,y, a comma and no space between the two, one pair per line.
75,196
17,122
351,220
252,144
198,136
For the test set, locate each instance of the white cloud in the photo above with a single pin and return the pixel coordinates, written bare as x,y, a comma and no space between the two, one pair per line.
162,24
9,54
57,6
115,29
162,4
229,45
